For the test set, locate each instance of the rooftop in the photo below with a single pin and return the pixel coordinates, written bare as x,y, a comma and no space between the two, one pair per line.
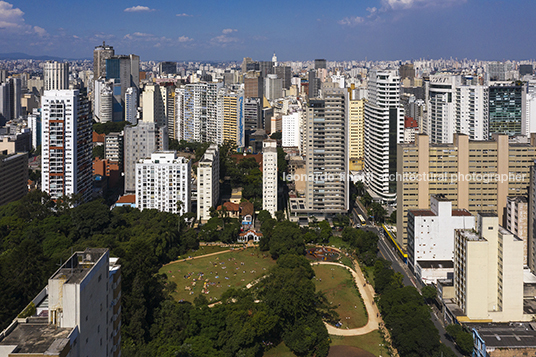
461,212
487,213
79,265
127,199
37,337
470,235
421,212
507,335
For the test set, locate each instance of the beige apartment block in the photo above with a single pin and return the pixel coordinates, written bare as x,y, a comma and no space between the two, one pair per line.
488,273
356,142
473,175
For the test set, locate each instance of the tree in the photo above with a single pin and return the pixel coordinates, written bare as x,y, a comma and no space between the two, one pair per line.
429,292
366,199
325,231
263,216
378,212
98,152
286,238
280,215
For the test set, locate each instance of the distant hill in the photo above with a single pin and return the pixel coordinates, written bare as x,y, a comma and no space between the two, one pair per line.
20,55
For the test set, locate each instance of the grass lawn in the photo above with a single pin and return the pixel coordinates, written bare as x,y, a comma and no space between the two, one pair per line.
370,342
215,274
338,285
202,251
337,242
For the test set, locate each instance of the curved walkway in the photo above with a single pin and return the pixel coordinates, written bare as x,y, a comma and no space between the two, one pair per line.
203,256
367,294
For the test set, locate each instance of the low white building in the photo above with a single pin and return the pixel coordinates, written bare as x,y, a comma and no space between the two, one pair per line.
163,182
431,238
208,182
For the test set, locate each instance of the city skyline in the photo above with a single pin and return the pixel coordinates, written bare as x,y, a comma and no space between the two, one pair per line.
217,31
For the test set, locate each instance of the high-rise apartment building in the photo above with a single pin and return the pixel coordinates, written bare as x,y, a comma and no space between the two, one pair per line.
269,176
285,73
163,183
291,135
113,148
208,182
131,106
472,111
473,175
100,55
505,109
356,142
199,114
384,129
456,104
78,314
103,100
442,107
56,75
231,108
253,85
327,154
66,143
14,176
140,142
34,123
488,272
153,103
273,87
253,114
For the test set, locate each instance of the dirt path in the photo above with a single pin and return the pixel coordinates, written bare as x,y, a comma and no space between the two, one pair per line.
202,256
367,293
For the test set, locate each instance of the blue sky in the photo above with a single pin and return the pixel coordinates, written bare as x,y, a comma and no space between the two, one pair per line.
296,30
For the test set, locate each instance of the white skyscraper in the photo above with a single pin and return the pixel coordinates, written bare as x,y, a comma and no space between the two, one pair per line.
384,129
131,106
198,113
163,183
269,176
153,106
140,142
208,182
291,130
442,107
56,75
471,110
66,144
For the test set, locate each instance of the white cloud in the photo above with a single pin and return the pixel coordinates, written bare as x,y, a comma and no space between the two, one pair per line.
228,31
138,8
408,4
12,19
184,39
184,15
351,21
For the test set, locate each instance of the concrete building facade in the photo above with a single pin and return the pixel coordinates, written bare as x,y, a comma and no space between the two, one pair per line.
14,176
66,144
488,272
208,182
163,183
356,142
56,75
269,176
516,220
473,175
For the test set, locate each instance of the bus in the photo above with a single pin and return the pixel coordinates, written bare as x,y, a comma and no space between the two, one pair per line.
361,219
